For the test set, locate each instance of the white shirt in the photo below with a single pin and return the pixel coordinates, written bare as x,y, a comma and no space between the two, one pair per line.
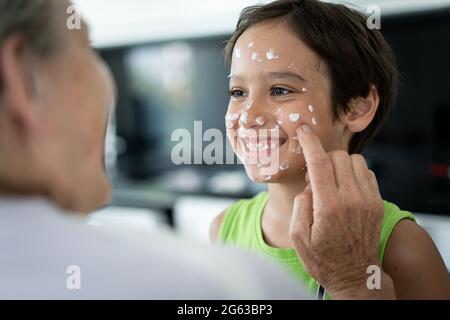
46,253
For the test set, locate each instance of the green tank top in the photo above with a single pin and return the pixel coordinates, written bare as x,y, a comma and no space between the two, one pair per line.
241,226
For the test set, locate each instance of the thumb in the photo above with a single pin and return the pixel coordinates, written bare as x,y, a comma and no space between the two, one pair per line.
302,217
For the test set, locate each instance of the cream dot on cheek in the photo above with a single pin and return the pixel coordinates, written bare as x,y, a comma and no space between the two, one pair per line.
284,165
314,121
294,117
244,117
234,116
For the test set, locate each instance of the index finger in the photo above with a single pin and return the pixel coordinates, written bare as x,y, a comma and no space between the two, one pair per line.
320,168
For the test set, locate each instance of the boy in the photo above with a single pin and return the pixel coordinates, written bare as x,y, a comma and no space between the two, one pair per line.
306,62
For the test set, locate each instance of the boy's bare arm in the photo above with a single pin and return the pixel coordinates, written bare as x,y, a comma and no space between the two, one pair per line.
414,264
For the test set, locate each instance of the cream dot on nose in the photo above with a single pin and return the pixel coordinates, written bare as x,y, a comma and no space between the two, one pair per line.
260,120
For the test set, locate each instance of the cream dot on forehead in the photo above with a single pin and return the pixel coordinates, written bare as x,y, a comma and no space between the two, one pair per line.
314,121
237,52
255,57
311,108
271,54
250,44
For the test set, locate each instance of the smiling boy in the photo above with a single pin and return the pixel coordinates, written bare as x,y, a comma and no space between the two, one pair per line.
306,62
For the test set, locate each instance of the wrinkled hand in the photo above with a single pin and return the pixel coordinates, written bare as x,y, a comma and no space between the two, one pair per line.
336,220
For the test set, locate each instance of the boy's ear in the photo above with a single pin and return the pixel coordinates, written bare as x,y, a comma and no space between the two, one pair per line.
17,83
362,110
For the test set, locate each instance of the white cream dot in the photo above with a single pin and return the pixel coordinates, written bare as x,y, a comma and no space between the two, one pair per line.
293,117
284,165
238,53
260,120
271,54
234,116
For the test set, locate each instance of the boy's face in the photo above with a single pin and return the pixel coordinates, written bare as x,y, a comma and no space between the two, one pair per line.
277,83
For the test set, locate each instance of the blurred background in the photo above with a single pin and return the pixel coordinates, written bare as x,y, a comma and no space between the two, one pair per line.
167,59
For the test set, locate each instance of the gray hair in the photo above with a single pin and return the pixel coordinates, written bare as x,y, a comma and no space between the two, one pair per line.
36,20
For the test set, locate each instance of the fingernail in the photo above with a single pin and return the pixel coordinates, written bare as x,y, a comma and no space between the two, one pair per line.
306,128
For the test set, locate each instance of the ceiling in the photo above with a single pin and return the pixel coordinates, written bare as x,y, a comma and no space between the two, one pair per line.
119,22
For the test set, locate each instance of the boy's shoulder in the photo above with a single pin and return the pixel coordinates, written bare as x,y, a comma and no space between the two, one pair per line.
242,217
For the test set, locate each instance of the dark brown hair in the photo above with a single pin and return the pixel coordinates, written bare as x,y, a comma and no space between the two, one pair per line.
356,57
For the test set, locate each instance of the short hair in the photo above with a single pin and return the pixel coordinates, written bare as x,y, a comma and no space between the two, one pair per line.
36,20
356,57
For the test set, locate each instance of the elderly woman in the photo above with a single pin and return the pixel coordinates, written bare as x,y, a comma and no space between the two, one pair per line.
55,97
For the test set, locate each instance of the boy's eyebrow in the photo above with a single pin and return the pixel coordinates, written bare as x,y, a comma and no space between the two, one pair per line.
277,75
286,75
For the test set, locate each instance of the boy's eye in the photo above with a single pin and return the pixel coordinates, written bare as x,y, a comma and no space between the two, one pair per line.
280,91
236,93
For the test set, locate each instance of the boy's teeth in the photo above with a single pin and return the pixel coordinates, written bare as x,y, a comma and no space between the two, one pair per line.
261,146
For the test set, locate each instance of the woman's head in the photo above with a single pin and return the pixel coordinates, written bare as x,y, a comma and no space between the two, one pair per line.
305,61
55,97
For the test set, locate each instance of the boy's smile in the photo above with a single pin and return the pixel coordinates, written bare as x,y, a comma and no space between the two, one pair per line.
276,84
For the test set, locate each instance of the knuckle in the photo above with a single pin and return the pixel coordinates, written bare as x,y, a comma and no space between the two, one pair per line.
372,175
358,159
320,160
340,155
295,234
